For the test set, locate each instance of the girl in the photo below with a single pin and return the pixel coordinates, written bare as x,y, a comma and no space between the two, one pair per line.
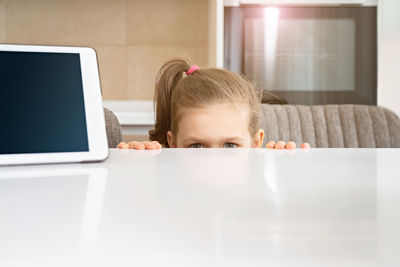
204,108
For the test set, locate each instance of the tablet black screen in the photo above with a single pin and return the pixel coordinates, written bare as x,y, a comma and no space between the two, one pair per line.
41,103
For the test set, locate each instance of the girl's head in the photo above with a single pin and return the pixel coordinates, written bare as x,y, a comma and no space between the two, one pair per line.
206,108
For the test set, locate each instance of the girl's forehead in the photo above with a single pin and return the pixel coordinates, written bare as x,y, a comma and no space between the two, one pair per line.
217,120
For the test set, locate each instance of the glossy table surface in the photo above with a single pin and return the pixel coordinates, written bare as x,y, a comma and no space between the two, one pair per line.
205,207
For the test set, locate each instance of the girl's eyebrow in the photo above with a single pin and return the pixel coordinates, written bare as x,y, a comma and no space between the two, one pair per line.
236,138
195,139
191,139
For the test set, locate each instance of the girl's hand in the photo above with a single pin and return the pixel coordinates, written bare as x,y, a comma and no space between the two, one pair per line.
154,145
283,145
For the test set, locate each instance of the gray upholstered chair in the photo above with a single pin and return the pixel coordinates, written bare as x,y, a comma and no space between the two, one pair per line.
113,128
331,125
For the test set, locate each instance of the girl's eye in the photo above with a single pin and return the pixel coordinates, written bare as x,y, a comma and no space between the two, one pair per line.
196,145
230,145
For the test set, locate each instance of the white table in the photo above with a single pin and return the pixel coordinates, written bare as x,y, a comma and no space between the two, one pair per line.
211,207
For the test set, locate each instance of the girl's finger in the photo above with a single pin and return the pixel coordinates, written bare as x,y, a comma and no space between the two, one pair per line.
305,146
280,145
123,145
291,145
157,144
149,145
270,145
140,146
136,145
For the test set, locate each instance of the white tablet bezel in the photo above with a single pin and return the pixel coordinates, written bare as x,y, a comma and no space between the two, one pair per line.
96,130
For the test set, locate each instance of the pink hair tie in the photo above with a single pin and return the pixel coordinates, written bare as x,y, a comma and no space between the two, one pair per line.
192,69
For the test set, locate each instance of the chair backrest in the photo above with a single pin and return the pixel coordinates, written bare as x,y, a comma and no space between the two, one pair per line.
113,128
331,125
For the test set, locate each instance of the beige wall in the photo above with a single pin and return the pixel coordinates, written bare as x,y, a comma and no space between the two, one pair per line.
2,22
132,37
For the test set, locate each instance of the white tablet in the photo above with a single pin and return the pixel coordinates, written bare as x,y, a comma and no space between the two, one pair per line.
50,105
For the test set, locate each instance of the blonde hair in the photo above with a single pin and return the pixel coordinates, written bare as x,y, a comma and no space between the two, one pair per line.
173,91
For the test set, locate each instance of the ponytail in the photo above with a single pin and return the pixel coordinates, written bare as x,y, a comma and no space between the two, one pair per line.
167,79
